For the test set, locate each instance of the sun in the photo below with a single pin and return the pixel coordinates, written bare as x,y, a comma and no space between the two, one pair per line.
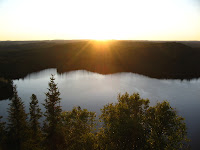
99,35
100,38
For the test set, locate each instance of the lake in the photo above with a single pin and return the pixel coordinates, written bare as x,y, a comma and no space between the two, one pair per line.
92,91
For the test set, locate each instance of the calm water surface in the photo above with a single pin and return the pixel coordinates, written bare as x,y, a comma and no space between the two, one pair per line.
92,91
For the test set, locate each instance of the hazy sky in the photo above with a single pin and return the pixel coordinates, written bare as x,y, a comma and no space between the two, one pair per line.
100,19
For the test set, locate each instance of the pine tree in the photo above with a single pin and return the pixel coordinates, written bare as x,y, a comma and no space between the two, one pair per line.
53,124
17,126
35,130
2,134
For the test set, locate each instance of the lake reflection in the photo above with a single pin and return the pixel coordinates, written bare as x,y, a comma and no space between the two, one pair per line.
92,91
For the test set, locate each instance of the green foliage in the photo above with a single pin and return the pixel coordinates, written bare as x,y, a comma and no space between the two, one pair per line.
167,129
79,127
124,126
17,126
52,104
53,124
132,124
35,130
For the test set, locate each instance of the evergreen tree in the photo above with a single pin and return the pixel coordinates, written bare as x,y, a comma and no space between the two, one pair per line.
53,124
17,123
35,130
2,134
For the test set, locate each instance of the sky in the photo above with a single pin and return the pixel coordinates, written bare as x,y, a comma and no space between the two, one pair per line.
100,19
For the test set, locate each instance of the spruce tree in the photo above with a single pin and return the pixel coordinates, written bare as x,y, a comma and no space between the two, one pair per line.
2,134
35,130
53,124
17,123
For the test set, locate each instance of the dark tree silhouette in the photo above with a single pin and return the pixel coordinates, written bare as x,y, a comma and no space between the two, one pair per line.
35,129
53,124
2,134
17,123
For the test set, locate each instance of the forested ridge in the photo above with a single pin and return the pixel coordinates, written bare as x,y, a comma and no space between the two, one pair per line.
154,59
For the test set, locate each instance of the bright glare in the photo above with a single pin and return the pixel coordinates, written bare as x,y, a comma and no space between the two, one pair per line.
99,19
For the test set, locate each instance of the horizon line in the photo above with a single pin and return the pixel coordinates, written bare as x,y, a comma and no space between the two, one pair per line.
100,40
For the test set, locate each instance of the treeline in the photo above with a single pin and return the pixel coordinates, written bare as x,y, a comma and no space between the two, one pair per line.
154,59
6,89
128,124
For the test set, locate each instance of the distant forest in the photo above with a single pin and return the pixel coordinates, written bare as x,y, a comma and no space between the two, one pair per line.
174,60
128,124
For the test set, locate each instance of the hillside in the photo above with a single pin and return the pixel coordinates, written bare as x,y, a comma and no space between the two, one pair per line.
154,59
